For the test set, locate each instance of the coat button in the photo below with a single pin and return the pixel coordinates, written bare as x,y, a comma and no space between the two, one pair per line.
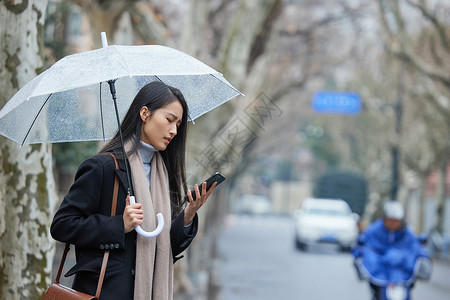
117,245
106,246
111,246
102,247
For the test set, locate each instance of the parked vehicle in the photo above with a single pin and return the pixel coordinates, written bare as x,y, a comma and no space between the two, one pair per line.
255,205
325,221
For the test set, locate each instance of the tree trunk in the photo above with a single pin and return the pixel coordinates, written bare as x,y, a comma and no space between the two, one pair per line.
441,192
27,196
420,218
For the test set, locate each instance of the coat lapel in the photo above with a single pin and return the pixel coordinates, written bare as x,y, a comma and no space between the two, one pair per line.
122,174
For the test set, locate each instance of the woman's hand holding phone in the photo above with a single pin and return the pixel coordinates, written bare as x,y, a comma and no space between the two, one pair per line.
198,196
194,205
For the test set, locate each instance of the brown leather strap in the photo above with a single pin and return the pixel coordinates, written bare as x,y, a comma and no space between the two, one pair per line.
113,213
61,264
106,255
102,274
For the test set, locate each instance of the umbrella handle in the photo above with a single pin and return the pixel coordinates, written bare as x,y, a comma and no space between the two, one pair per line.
104,39
153,233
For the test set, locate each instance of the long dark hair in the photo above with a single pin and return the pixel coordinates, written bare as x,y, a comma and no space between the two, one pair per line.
156,95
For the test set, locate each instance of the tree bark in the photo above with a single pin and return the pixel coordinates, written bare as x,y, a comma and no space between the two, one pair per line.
441,194
27,195
106,16
420,218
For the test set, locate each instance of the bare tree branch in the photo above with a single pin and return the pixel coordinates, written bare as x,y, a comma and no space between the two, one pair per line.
262,37
148,25
398,45
432,18
432,94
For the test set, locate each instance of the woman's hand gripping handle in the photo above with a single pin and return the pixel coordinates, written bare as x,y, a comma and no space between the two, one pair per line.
133,216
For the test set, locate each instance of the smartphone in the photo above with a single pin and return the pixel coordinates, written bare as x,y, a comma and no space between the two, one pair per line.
216,177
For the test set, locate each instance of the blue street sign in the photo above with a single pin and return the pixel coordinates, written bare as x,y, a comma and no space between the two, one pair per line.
336,102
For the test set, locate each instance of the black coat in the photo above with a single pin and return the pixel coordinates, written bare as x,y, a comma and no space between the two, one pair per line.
84,219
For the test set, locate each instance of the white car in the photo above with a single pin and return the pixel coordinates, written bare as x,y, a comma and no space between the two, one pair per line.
254,205
325,221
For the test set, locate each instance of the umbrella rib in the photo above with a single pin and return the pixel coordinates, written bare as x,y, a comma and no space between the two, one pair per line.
123,61
35,118
101,114
230,85
211,108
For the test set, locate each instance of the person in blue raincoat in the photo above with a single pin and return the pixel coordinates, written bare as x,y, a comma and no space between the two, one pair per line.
388,248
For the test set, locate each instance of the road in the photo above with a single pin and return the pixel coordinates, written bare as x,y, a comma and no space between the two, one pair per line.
258,261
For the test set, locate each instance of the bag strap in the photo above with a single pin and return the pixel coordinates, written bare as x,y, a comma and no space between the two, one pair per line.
113,213
61,264
106,255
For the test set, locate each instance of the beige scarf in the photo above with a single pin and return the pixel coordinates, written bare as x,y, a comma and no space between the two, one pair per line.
154,263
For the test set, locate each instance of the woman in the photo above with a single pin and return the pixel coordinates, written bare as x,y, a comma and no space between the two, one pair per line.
154,130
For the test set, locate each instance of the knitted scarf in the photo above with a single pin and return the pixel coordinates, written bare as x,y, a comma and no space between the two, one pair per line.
154,263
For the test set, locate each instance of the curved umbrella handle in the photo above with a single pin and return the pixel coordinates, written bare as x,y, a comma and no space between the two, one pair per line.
153,233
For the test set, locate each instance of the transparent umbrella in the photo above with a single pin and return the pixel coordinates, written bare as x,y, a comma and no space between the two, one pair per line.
71,100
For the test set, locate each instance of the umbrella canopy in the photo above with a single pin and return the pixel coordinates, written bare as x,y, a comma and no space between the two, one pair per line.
71,100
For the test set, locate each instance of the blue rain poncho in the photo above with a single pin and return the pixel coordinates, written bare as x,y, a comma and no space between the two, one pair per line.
388,256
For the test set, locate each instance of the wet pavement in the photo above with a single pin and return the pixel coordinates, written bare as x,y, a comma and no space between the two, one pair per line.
258,260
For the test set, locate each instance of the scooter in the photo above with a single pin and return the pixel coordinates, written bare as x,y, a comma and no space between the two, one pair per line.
399,289
395,287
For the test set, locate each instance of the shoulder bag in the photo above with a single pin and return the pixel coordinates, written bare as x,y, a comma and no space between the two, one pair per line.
58,291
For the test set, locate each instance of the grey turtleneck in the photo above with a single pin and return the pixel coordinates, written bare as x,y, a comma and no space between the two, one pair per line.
147,151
